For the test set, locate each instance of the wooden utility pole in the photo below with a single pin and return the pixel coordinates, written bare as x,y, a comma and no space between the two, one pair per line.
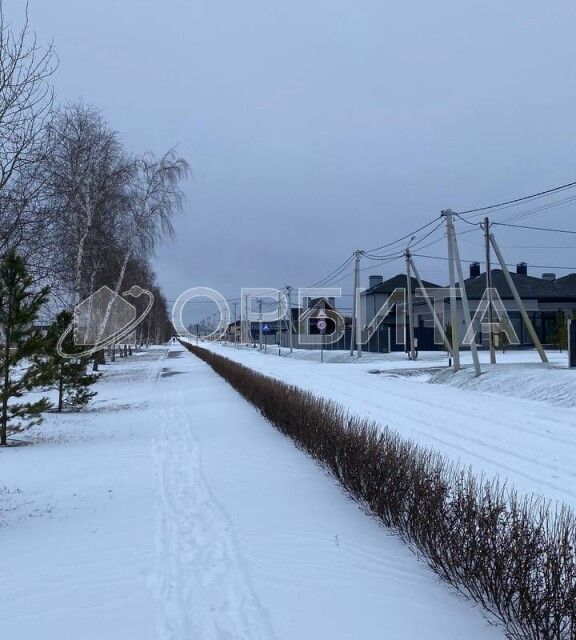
453,299
489,288
411,348
260,322
353,336
247,323
464,293
289,290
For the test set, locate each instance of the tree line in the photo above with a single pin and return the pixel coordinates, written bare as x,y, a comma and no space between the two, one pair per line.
77,211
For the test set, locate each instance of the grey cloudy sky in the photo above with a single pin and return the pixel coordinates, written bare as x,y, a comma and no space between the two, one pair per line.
314,128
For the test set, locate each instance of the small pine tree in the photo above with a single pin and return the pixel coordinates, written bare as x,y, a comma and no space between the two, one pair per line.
561,330
20,305
68,375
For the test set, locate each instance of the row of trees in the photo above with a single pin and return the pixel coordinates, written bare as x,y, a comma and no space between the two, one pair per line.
77,210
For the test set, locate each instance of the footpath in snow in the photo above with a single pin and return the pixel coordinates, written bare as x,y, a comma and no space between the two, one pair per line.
510,422
173,511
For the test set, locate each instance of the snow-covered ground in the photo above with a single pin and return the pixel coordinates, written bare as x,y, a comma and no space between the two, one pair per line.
517,420
172,510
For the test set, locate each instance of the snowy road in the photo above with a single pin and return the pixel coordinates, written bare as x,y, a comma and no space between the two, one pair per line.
532,443
173,511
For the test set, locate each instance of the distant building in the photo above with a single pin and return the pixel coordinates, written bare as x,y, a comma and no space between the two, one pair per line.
276,329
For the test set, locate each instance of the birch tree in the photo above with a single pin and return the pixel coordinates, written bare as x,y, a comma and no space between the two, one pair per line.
26,106
88,174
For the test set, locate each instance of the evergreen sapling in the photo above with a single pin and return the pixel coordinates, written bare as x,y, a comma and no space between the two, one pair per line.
20,305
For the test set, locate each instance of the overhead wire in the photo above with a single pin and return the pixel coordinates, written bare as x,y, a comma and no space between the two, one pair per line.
523,226
515,201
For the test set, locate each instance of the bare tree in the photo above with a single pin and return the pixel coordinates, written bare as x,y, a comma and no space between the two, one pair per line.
112,208
26,101
89,176
154,198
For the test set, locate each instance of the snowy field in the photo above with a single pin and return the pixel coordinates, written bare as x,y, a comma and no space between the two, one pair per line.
171,510
518,420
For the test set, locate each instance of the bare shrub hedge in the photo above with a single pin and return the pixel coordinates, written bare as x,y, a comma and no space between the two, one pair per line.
513,555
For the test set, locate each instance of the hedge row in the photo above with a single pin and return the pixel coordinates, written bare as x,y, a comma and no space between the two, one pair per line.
514,556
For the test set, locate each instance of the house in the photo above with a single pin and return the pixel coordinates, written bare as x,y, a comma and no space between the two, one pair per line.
547,300
385,338
543,297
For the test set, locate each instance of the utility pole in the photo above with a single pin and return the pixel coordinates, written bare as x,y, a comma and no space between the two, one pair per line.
235,327
453,300
260,322
411,349
289,290
247,324
353,336
464,293
489,288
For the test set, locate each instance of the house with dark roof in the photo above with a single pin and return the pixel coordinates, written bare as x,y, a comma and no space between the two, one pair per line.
547,299
385,338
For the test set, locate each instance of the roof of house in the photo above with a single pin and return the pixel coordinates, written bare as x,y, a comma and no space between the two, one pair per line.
528,287
568,280
398,282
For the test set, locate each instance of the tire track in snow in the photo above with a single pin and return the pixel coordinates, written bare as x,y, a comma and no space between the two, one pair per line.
203,590
494,454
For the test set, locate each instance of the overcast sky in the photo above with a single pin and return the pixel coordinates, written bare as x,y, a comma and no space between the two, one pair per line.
317,127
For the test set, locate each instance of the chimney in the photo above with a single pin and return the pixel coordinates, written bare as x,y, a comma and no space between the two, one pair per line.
522,269
474,269
332,302
549,277
374,281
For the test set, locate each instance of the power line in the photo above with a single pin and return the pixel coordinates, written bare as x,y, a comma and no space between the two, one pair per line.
522,226
408,235
369,267
334,273
534,266
521,215
475,224
539,194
